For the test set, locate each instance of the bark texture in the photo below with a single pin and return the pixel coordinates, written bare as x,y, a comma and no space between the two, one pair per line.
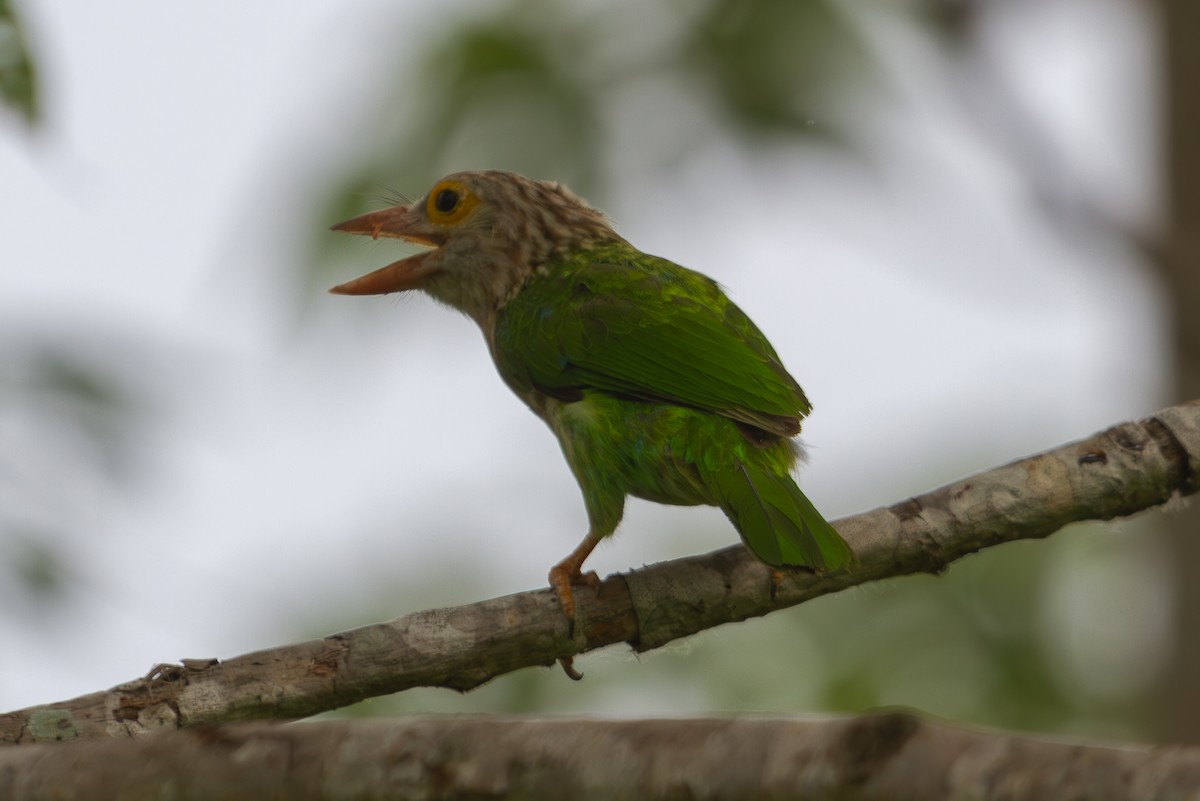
892,756
1180,696
1120,471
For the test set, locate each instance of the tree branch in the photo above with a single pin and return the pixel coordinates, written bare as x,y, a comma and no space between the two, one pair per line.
891,756
1118,472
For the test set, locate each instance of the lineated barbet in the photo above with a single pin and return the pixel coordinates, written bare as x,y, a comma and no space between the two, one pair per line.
654,382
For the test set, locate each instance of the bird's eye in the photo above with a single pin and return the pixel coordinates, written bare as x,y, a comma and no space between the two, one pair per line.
450,202
446,201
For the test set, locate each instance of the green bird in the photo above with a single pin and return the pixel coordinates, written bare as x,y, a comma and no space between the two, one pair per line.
654,382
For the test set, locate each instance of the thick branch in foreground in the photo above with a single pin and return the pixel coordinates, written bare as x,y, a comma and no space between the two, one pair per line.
1118,472
890,756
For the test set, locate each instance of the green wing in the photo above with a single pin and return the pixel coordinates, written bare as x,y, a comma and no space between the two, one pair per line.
647,328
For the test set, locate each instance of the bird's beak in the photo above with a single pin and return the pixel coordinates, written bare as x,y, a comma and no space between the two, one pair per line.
399,222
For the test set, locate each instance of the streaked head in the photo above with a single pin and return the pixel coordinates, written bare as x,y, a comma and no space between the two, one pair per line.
489,231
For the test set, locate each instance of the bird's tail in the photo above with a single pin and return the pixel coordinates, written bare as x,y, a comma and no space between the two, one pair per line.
777,522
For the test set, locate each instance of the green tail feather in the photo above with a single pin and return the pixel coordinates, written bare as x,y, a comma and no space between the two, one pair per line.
777,522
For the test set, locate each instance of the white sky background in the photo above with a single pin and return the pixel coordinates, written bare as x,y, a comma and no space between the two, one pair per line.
298,473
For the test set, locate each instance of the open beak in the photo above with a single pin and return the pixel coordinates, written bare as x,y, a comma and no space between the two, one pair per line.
399,222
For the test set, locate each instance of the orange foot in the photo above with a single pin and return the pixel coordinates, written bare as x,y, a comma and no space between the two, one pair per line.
561,578
778,574
776,580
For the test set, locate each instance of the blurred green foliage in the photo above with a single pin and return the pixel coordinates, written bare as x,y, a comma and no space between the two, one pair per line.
18,78
544,88
70,423
768,64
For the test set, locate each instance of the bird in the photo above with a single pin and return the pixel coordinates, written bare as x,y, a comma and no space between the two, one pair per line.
655,383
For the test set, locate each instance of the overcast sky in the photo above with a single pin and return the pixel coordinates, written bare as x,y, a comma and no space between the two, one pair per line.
938,322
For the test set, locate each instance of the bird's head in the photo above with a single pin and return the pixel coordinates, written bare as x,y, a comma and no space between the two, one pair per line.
489,232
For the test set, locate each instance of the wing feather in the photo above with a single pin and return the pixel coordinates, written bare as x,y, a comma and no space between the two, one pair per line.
647,328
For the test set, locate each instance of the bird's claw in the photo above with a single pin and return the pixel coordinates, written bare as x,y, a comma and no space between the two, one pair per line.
561,579
568,666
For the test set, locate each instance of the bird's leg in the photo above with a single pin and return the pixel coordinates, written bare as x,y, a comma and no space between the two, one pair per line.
604,507
568,572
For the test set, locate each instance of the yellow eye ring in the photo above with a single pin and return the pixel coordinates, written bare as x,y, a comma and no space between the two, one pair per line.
450,202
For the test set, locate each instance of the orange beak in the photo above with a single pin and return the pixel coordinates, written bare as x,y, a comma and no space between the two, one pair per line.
399,222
